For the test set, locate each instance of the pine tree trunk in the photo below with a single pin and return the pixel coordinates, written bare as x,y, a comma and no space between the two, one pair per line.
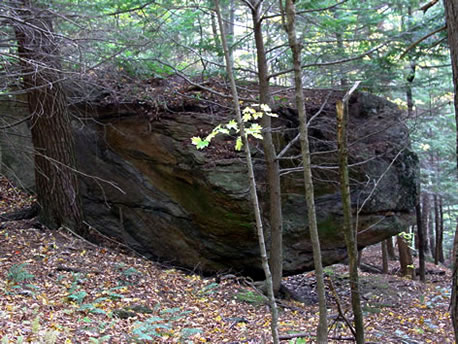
441,230
451,14
431,224
437,227
454,296
322,331
272,165
55,165
384,257
425,210
421,242
341,52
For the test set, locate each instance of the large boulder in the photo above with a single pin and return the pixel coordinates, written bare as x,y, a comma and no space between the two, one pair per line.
144,184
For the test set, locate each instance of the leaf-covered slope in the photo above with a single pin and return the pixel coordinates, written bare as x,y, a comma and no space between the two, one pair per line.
54,285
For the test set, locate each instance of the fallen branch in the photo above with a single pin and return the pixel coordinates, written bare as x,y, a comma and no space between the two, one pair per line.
22,214
294,335
77,270
370,268
114,241
79,236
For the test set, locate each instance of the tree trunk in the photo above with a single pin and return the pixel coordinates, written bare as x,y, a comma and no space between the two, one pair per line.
409,95
425,210
272,165
454,296
405,258
451,15
421,242
384,257
390,249
290,26
441,230
341,53
360,257
432,236
253,193
216,40
230,24
56,180
437,227
349,229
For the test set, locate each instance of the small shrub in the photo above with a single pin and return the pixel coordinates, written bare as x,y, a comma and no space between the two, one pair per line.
18,273
152,327
251,297
77,296
129,276
159,326
209,289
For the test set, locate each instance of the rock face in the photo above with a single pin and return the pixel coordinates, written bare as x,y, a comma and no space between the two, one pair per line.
147,186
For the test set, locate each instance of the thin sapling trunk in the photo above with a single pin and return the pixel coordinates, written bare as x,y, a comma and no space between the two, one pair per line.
253,193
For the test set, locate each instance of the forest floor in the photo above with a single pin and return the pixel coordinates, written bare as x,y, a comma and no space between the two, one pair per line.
57,288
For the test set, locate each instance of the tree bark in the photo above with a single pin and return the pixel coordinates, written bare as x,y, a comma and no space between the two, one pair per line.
290,26
384,257
451,15
421,242
431,228
341,53
405,257
425,210
55,164
441,230
390,249
349,230
253,192
438,245
454,296
229,25
272,164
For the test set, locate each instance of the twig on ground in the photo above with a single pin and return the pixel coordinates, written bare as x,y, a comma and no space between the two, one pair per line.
79,236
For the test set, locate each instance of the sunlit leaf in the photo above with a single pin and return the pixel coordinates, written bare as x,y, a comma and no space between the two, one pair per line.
199,143
238,144
232,125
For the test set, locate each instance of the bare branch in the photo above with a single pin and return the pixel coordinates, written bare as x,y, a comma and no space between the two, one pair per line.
293,141
330,63
309,11
428,5
11,125
414,44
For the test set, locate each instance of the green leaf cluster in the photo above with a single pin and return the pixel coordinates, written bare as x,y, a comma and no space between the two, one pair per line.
250,115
